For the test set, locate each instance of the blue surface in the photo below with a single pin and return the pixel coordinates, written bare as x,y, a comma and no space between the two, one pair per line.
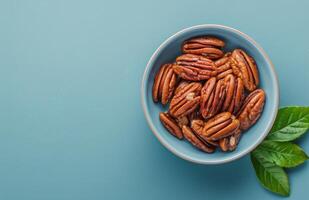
72,125
169,50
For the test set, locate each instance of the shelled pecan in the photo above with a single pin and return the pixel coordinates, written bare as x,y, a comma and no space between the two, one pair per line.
234,140
197,126
194,67
234,94
252,108
194,140
220,126
171,125
164,84
210,47
244,67
224,66
230,143
212,97
186,100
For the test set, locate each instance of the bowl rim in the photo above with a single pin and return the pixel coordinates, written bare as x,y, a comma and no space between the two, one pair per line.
171,147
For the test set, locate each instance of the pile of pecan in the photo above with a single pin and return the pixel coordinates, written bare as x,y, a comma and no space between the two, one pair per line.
213,96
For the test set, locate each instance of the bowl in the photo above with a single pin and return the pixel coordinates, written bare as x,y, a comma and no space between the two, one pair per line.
168,51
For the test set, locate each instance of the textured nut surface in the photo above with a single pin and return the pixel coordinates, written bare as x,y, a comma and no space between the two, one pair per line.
224,66
230,143
224,144
171,125
194,67
252,108
180,86
238,97
220,126
186,100
194,140
212,97
206,46
164,84
198,126
234,140
234,94
230,87
244,67
181,121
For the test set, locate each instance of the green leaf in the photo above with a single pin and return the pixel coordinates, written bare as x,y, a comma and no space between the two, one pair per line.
271,177
283,154
290,124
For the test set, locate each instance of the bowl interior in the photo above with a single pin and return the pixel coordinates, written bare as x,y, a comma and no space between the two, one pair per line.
167,53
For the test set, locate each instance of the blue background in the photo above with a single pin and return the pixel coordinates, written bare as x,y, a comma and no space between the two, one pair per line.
71,123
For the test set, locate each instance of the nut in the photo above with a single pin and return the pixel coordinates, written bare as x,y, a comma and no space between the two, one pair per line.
164,84
186,100
208,47
224,66
230,87
197,126
251,109
238,97
244,67
234,140
181,85
171,125
181,121
234,94
220,126
230,143
194,67
194,140
212,97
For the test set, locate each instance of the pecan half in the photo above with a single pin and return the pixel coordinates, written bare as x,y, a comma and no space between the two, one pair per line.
206,46
230,143
186,100
194,67
234,94
234,140
171,125
212,97
198,126
181,85
164,84
191,137
220,126
251,109
244,67
224,66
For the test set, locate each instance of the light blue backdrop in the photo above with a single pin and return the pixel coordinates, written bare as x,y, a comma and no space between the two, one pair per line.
71,123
